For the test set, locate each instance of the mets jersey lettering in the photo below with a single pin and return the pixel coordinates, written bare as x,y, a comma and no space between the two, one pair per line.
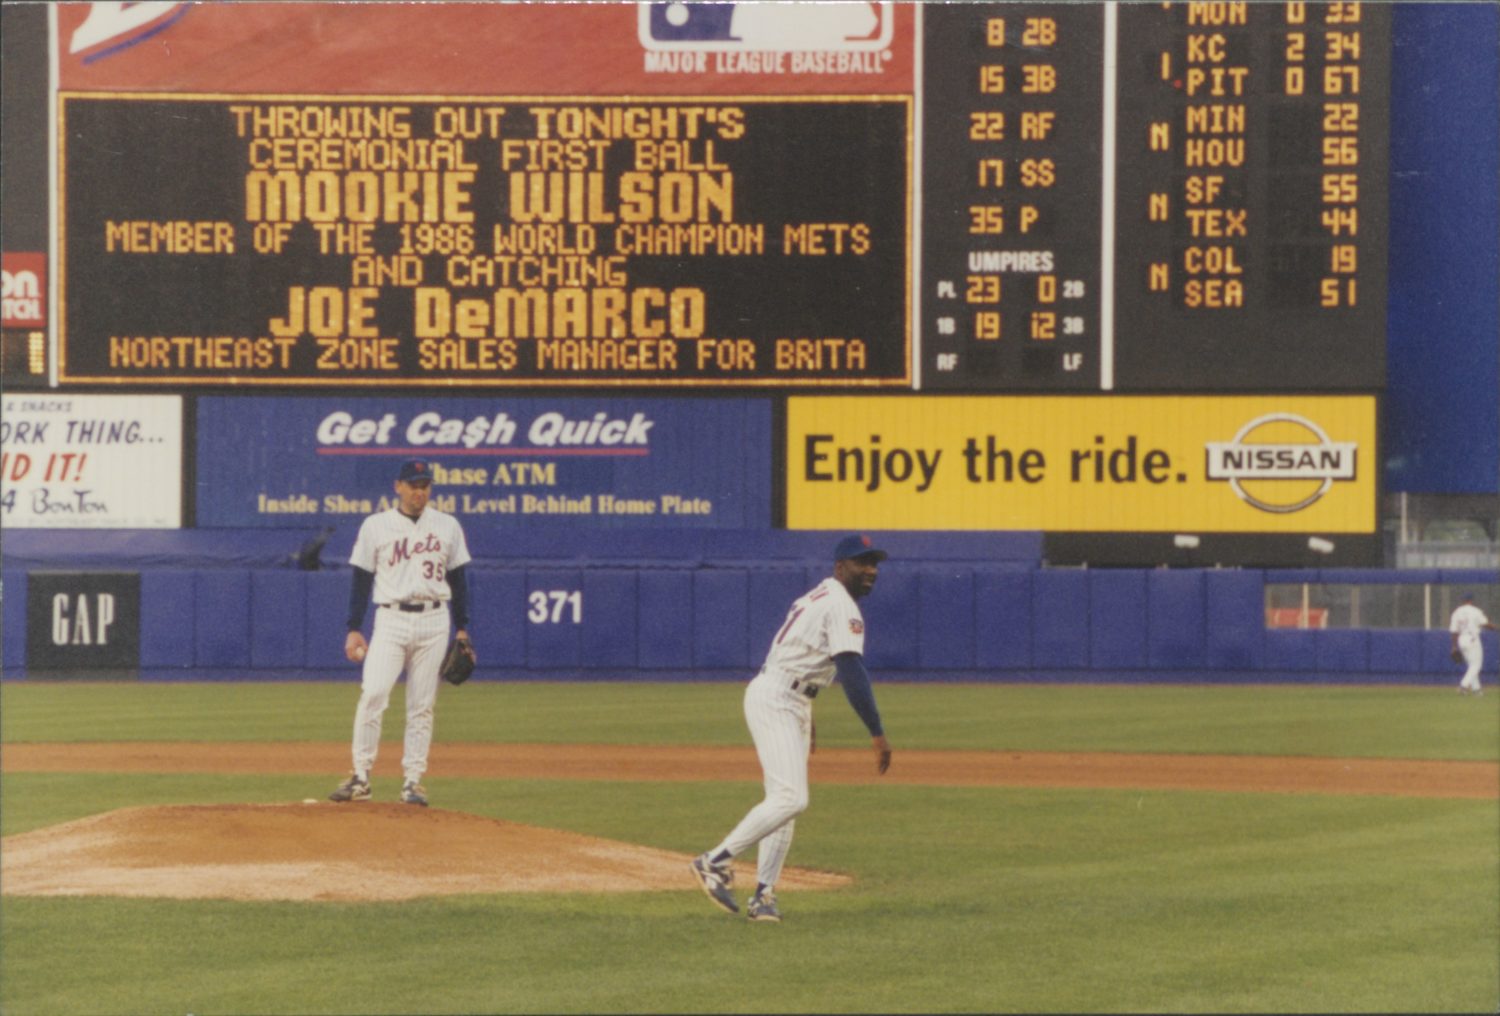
410,558
820,625
401,550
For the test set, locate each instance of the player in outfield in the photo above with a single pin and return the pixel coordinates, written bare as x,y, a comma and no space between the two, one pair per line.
823,638
1464,629
412,558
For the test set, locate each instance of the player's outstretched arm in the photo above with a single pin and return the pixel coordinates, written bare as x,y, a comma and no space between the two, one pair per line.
855,681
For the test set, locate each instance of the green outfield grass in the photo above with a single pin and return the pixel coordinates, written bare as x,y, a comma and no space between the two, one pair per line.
965,899
1354,721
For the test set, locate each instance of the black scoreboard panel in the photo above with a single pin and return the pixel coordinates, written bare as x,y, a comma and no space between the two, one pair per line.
395,241
23,358
1011,137
1216,217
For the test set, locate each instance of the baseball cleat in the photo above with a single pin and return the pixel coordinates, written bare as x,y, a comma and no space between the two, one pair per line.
762,907
715,880
413,793
355,788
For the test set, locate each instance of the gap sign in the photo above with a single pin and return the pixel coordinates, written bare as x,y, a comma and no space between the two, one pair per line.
83,621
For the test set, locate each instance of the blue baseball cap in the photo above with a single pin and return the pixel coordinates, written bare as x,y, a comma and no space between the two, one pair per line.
858,545
415,471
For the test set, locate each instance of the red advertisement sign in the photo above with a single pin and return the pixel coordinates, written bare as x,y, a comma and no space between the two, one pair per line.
25,297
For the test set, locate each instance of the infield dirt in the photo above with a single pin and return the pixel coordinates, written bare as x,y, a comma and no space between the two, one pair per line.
366,851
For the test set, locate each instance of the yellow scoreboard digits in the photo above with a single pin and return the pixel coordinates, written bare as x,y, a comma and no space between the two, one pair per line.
1226,235
521,241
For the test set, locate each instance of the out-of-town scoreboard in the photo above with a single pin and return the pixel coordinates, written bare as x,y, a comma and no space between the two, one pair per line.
1155,196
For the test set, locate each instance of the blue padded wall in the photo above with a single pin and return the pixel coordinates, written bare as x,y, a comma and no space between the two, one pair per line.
169,626
665,619
721,601
945,610
1060,620
1117,620
926,619
1436,659
1396,651
497,622
278,616
1234,612
551,644
1290,649
1342,650
1002,608
13,617
327,622
221,619
608,636
892,615
1176,619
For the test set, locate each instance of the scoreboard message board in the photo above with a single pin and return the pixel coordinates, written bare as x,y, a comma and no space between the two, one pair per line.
976,197
493,241
1168,197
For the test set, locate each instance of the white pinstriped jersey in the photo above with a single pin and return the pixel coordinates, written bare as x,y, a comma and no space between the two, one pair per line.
410,559
1466,622
820,625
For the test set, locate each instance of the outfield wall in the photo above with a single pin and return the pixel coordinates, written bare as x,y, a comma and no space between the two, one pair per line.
703,606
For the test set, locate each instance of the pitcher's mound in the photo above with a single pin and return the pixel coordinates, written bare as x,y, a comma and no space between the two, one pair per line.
334,852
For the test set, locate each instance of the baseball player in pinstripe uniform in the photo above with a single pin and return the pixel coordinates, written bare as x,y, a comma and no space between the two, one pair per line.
1464,628
412,557
823,637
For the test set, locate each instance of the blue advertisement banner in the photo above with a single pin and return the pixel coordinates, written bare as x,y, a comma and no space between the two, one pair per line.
608,463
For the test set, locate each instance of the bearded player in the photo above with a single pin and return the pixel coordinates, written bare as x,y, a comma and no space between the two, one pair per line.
823,638
412,557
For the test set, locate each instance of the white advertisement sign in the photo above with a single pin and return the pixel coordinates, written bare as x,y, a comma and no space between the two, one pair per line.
91,461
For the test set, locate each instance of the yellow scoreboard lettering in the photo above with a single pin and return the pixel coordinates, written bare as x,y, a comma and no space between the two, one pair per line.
1232,464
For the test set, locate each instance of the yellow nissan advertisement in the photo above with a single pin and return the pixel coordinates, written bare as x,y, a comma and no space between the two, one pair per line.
1233,464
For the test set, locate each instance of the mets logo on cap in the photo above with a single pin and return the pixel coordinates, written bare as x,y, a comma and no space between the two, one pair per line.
415,469
1281,462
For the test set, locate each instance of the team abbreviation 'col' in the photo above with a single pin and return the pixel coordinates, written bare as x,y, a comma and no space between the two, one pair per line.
548,430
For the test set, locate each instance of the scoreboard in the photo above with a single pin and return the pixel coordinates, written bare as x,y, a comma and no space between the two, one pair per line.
1028,197
1169,197
384,240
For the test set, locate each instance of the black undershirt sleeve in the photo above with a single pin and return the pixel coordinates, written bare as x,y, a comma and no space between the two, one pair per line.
359,597
855,680
458,582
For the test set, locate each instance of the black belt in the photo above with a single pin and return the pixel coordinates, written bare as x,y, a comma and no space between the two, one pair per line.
416,608
803,688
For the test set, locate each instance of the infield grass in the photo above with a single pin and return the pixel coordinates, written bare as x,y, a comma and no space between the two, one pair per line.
965,899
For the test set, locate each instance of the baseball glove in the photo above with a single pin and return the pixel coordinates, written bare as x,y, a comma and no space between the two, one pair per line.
458,662
1458,656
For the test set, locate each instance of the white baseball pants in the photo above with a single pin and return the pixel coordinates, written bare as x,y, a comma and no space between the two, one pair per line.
1473,651
780,722
401,641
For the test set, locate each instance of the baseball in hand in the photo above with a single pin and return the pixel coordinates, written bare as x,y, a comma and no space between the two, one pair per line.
359,654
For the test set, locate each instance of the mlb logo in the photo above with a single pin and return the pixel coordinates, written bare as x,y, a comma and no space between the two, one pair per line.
850,27
113,27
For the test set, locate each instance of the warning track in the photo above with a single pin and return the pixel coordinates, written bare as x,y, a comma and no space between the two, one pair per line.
1107,770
